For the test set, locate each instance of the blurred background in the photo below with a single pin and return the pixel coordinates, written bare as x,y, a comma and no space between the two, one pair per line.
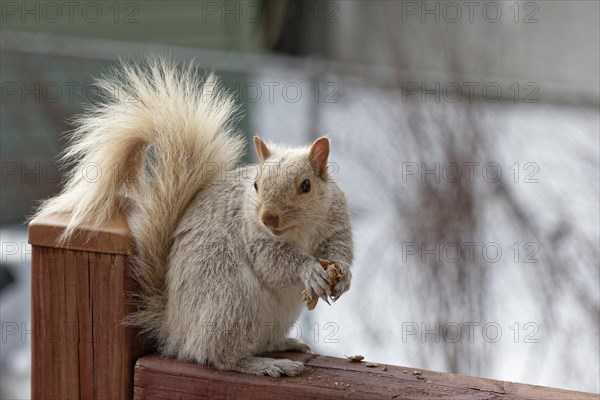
466,135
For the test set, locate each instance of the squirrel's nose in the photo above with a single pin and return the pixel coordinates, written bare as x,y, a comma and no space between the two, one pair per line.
270,220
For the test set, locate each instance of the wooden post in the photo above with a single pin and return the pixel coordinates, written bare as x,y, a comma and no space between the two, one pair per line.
80,348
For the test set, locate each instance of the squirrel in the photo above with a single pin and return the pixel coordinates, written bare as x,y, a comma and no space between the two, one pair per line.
223,252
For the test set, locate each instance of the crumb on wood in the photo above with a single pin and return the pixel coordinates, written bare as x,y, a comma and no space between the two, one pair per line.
356,358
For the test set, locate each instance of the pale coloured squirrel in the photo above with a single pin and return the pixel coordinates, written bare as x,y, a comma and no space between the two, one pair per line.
223,253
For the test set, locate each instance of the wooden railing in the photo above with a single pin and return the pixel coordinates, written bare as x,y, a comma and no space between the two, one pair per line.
81,349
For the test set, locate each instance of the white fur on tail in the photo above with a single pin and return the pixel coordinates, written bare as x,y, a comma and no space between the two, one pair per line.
148,106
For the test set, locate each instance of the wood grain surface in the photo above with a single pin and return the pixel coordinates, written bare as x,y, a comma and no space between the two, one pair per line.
157,377
80,347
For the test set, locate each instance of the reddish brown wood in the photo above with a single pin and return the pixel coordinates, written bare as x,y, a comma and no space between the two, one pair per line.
324,378
80,348
111,238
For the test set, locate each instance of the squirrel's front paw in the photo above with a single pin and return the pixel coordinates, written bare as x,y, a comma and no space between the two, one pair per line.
315,281
342,285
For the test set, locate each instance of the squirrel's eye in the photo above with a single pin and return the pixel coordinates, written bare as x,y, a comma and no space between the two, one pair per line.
305,186
255,186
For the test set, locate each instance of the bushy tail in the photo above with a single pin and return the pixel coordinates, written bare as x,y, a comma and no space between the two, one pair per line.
159,136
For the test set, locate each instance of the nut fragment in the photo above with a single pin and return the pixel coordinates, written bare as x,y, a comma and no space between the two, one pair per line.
371,365
311,302
334,274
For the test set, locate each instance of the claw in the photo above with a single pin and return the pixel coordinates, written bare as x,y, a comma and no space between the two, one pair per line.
325,299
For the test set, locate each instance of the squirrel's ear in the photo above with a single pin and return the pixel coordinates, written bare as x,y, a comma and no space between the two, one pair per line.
261,149
319,152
